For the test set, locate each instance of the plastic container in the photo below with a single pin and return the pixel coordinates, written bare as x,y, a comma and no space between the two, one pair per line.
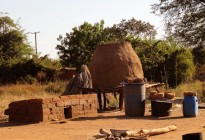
190,106
134,99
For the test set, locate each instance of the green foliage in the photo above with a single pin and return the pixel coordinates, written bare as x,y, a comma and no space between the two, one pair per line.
132,29
14,47
200,73
185,19
197,86
78,46
165,61
16,64
199,55
180,67
28,71
153,55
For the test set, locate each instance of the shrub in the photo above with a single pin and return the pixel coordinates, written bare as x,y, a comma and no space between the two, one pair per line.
180,67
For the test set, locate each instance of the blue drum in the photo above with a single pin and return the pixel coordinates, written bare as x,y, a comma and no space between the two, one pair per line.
190,106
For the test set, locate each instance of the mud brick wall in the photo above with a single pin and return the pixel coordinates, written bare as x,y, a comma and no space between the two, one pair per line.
56,108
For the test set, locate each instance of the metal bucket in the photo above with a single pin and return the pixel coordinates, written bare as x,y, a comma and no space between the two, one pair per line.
134,99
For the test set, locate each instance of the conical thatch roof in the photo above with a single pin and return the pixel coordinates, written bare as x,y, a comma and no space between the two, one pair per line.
112,63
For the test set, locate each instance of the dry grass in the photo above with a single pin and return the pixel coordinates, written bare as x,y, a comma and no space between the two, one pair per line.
10,93
196,86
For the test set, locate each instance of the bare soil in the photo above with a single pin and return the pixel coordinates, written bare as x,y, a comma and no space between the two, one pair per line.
85,128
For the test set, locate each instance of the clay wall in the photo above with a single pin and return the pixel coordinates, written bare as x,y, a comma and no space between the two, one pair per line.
56,108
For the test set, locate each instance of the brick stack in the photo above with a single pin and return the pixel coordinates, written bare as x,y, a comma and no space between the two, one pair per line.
57,108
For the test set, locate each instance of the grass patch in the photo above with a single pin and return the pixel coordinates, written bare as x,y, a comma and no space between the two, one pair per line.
11,93
197,86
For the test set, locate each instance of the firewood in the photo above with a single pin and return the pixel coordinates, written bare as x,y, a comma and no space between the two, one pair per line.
190,93
139,138
169,95
130,134
100,136
151,132
138,80
118,133
160,95
129,80
105,132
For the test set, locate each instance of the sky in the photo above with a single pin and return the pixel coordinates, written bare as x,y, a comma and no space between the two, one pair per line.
57,17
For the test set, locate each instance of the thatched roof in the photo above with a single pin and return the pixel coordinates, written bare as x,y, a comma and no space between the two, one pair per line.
112,63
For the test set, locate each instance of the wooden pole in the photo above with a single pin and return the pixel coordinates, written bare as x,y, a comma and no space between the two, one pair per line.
35,33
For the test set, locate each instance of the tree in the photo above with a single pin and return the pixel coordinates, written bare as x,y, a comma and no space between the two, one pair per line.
132,28
13,43
166,61
199,55
184,19
180,66
154,55
77,47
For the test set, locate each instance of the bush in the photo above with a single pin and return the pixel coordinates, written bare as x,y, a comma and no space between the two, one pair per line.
180,67
166,61
200,73
27,71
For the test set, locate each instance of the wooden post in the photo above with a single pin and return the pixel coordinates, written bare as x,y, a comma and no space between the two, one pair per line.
121,99
99,100
104,100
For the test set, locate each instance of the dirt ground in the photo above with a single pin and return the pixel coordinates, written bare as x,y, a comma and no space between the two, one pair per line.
85,128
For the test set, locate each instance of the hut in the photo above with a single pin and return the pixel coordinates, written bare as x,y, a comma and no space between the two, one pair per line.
111,64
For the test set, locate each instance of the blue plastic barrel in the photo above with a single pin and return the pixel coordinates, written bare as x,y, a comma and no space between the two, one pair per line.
134,99
190,106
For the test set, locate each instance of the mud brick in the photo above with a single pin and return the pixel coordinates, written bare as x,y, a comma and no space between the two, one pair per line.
45,118
82,107
89,101
55,99
46,111
79,96
90,106
53,111
46,100
61,116
86,107
95,107
74,101
95,101
74,108
59,110
83,101
67,102
86,96
59,103
81,113
94,96
72,96
52,117
51,105
44,106
64,98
